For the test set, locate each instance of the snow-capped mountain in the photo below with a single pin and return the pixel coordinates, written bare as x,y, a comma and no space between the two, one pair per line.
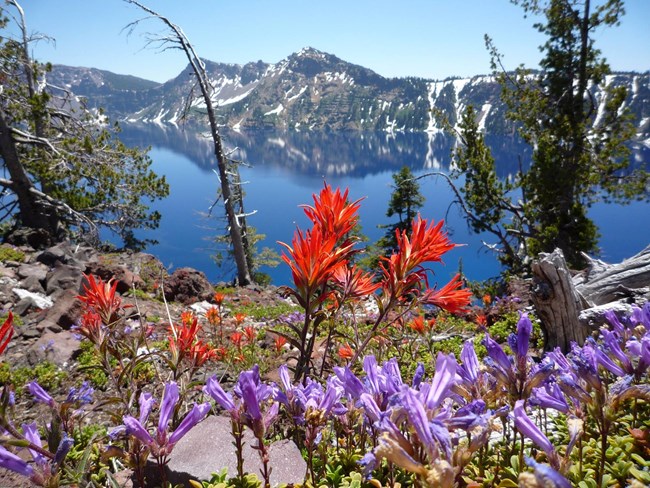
313,90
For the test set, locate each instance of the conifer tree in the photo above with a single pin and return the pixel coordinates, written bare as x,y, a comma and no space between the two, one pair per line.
578,158
405,201
67,171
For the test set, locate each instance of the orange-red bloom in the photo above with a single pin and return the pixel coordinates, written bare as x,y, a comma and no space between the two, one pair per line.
353,282
403,271
332,213
184,337
280,341
187,317
481,319
236,338
213,315
91,327
450,297
251,334
100,296
200,352
487,299
6,332
313,258
239,318
418,325
219,298
186,344
346,352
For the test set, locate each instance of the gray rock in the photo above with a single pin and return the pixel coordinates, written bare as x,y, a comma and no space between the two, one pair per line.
63,277
33,284
125,279
61,253
29,332
58,348
24,306
217,452
36,270
66,310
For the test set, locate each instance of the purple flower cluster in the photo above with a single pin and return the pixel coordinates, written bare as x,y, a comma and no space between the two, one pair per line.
431,427
163,442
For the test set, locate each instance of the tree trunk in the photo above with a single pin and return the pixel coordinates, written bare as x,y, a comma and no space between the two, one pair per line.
32,213
179,38
613,282
557,302
571,307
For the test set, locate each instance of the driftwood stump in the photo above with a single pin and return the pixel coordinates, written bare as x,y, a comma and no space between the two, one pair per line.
569,308
557,302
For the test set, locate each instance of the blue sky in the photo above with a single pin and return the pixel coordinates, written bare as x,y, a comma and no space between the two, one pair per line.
426,38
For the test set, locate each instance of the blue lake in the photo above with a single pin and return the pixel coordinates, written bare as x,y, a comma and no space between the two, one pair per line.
286,168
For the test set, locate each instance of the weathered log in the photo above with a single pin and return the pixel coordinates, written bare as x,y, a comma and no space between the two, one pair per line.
557,302
569,308
628,279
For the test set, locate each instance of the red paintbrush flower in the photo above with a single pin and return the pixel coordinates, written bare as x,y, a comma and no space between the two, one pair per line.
183,337
90,327
187,317
236,339
200,353
219,298
279,343
6,332
346,352
239,318
251,334
450,297
332,212
313,258
418,325
353,282
403,273
100,297
213,315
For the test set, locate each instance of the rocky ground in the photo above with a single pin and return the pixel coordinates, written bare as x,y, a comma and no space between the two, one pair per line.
41,289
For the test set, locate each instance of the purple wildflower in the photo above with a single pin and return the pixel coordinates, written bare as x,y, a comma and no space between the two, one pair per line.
62,450
417,417
497,354
31,434
10,461
544,476
82,395
137,430
418,376
352,385
443,379
163,443
39,394
214,389
524,329
528,428
146,404
550,396
170,399
197,414
469,370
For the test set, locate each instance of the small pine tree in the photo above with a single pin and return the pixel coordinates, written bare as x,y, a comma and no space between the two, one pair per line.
578,158
405,201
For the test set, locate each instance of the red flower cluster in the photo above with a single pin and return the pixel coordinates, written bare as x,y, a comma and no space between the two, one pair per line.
6,332
320,262
100,297
183,342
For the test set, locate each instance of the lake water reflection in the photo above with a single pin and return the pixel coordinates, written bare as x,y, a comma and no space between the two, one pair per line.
288,167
